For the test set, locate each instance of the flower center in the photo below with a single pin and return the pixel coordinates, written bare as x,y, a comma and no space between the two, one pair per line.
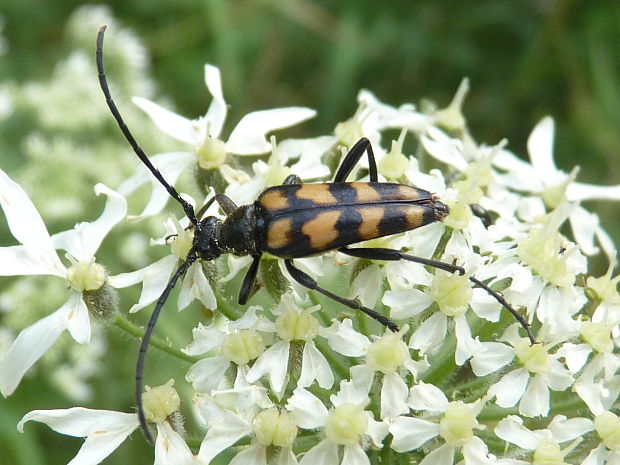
85,276
242,346
387,354
297,326
458,423
160,402
451,292
273,427
345,424
548,452
533,357
211,154
598,335
608,428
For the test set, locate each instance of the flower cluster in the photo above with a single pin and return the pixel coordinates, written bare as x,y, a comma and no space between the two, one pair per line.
295,379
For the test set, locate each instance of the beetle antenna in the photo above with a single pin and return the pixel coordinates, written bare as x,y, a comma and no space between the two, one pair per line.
187,207
191,258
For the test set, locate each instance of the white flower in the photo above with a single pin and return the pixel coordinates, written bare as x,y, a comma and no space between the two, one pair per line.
346,425
245,411
203,135
387,355
542,177
530,384
455,423
293,324
104,430
544,443
37,256
237,342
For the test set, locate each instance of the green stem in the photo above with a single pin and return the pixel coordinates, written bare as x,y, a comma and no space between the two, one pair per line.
224,307
495,413
124,324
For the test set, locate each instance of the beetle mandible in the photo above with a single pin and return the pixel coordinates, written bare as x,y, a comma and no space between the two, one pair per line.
295,220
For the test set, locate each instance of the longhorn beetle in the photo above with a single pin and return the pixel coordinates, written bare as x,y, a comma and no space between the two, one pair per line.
297,220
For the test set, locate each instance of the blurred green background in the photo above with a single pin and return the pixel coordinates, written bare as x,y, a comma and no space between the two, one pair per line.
524,59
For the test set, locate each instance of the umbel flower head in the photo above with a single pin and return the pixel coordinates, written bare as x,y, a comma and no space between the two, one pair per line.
296,379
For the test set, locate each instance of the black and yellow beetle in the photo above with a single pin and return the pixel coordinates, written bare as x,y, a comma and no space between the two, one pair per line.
297,220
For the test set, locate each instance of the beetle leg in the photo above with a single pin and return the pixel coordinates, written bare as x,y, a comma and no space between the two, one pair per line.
354,155
248,282
392,255
306,281
292,179
482,213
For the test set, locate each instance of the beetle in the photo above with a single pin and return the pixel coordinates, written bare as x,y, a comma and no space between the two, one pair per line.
295,220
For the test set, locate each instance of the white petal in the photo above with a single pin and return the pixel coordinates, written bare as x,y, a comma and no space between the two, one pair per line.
155,277
342,338
83,241
222,434
216,115
394,394
575,355
364,286
308,411
476,452
598,455
445,149
491,357
511,429
584,225
29,346
314,365
204,339
580,191
443,455
428,397
207,374
466,346
26,224
485,305
354,455
377,430
21,260
248,137
274,363
324,453
535,400
170,448
170,165
564,429
196,286
540,148
105,430
309,152
355,390
407,302
510,388
78,321
255,454
430,333
172,124
287,457
558,378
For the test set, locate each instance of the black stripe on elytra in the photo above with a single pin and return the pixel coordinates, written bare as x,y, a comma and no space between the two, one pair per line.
344,193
